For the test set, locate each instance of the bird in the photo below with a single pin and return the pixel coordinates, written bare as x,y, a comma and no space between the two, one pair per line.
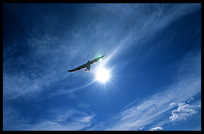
87,65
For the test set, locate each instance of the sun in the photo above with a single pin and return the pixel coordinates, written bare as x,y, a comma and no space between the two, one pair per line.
102,74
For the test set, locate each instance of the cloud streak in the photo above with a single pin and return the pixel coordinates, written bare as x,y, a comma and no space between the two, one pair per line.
58,119
70,119
149,110
144,112
54,52
35,67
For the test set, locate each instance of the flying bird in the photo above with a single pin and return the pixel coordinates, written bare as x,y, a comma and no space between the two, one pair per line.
87,65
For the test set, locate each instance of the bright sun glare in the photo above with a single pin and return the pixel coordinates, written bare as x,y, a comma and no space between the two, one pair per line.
102,75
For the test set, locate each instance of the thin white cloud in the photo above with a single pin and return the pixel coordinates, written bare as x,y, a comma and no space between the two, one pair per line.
157,20
83,105
143,112
190,100
71,95
36,76
173,103
57,119
47,45
71,119
151,108
156,129
76,124
66,91
13,120
22,85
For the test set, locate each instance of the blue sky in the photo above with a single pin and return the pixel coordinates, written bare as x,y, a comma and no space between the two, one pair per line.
153,54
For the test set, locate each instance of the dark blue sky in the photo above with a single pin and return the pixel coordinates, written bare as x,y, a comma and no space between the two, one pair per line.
153,54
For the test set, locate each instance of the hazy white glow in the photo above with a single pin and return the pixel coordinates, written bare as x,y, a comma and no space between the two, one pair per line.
102,75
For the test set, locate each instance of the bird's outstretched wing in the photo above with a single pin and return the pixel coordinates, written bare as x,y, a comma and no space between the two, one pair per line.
78,68
97,59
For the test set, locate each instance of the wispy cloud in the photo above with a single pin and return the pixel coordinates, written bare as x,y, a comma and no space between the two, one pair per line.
57,56
58,119
42,67
173,103
47,58
155,18
65,120
144,112
13,119
151,108
190,100
84,105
